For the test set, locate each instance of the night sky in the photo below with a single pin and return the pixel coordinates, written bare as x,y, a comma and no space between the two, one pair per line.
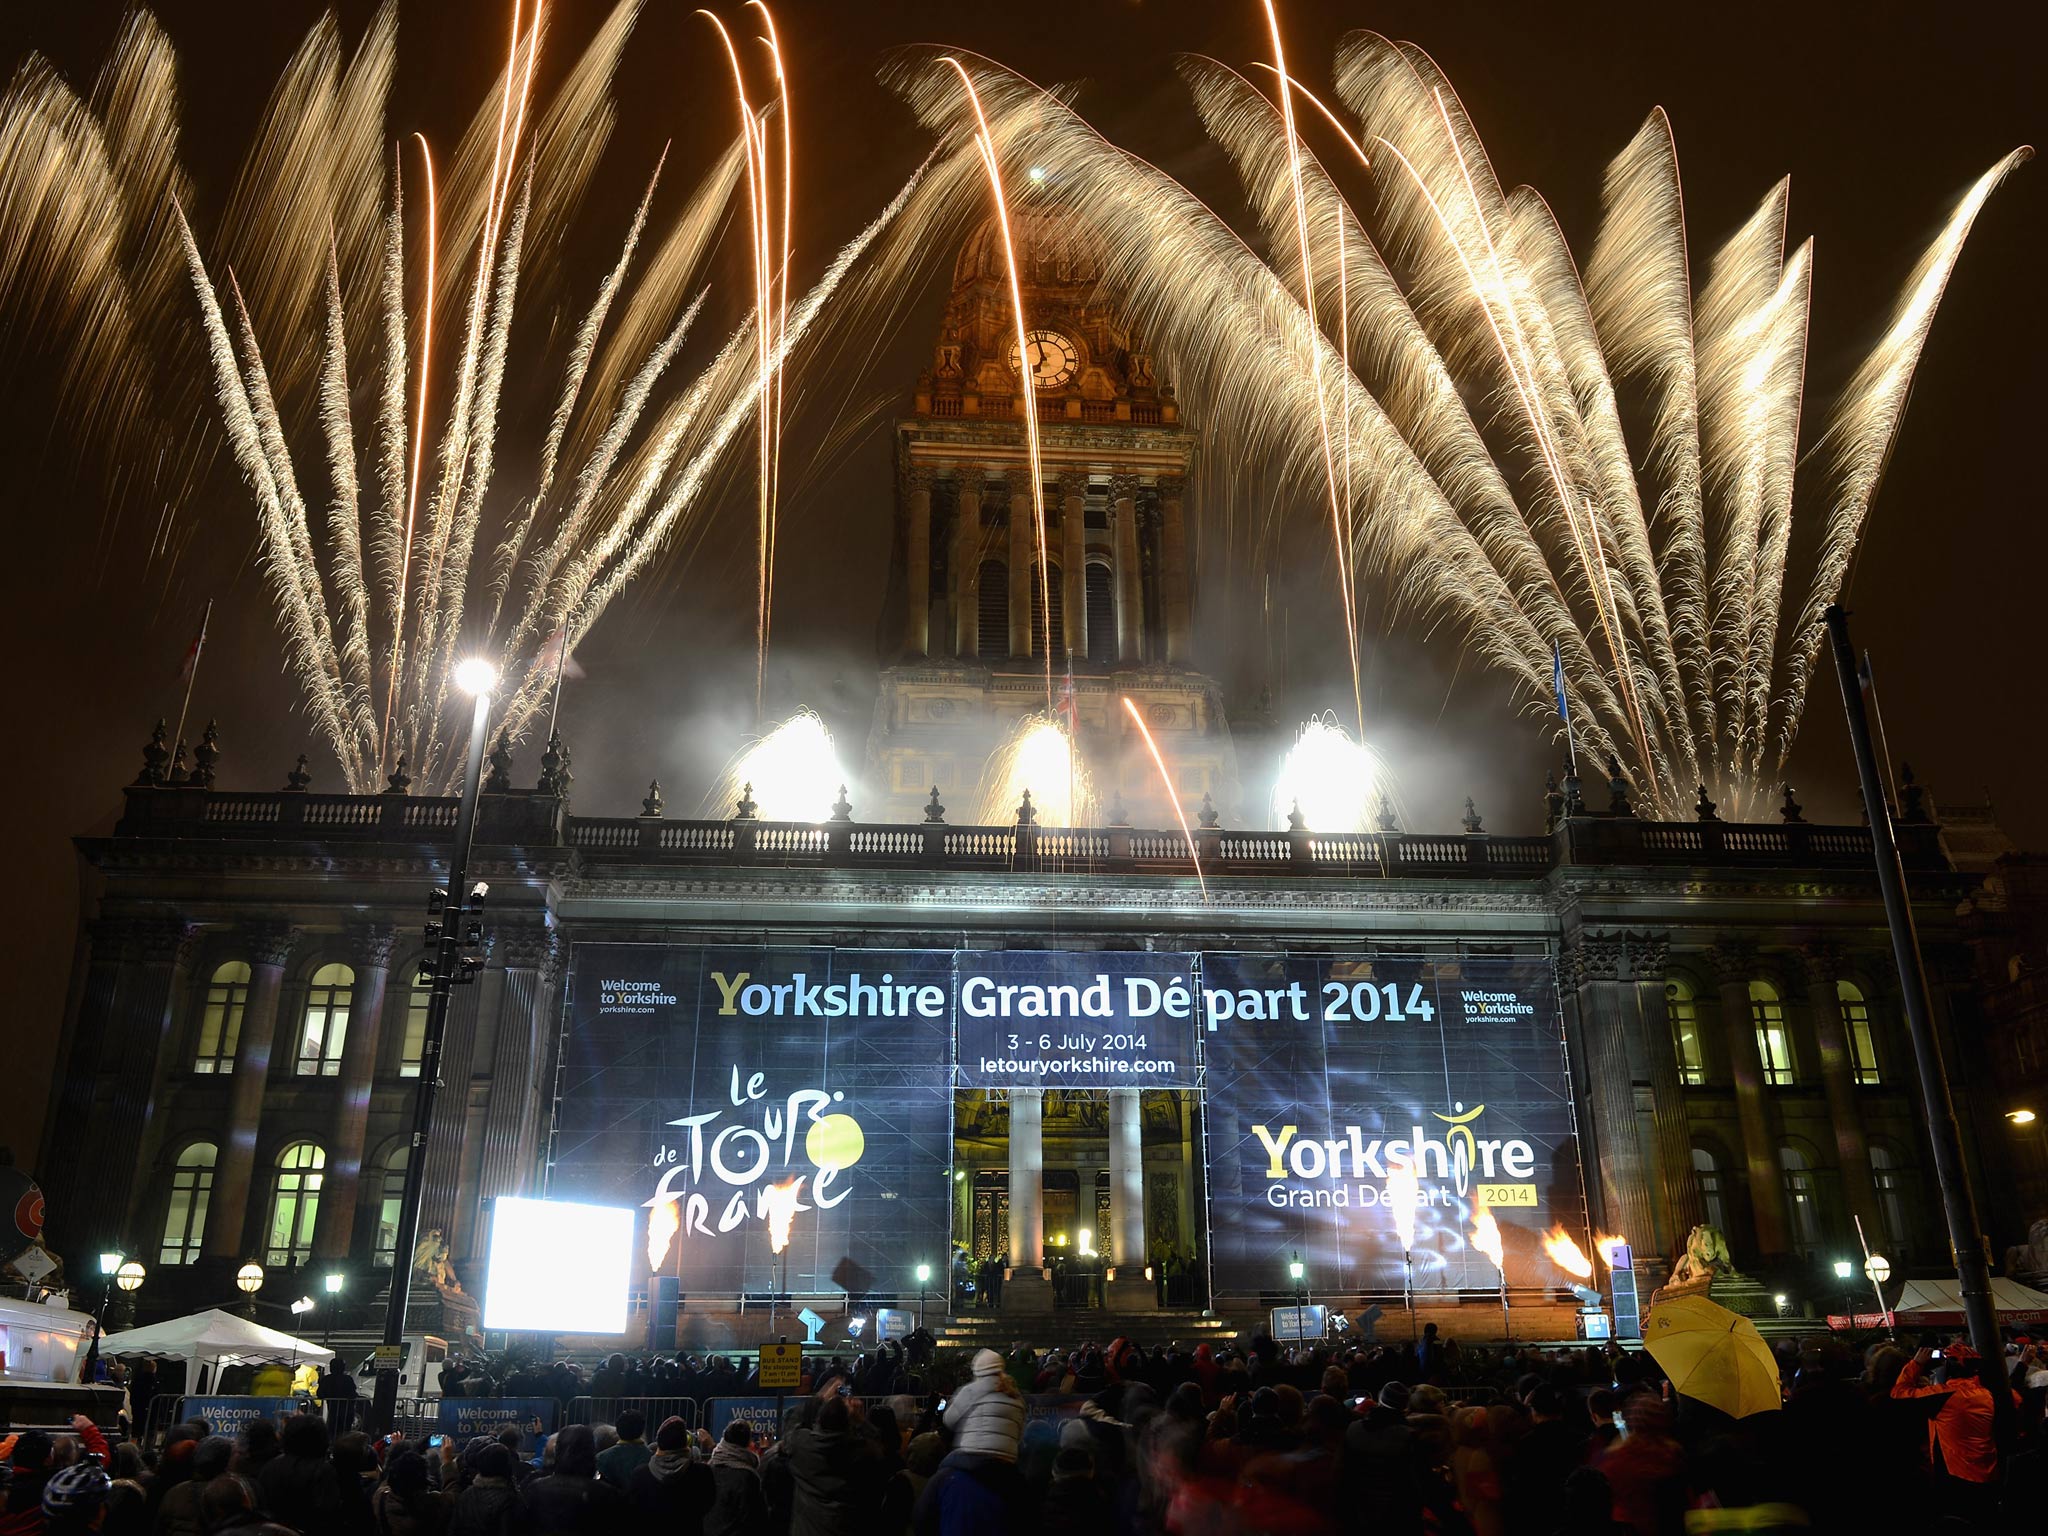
1881,114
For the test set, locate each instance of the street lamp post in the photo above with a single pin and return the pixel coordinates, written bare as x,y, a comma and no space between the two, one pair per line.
332,1281
459,910
1299,1275
924,1277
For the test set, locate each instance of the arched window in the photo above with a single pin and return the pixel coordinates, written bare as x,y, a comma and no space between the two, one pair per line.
414,1045
220,1025
1885,1175
1773,1041
1707,1173
1101,614
389,1202
1856,1029
295,1205
326,1020
1685,1032
1059,614
1802,1202
191,1187
992,630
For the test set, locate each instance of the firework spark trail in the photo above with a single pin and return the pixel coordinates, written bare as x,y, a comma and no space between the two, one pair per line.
393,423
1172,799
1027,367
784,117
1040,756
344,525
1340,506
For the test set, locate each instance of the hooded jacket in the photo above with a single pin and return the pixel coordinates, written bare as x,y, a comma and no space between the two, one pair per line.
738,1506
987,1415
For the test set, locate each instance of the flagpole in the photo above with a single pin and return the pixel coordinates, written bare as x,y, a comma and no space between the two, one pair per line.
192,677
561,667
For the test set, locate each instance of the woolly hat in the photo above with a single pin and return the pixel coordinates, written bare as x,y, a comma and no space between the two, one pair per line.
1075,1433
1394,1395
988,1363
674,1435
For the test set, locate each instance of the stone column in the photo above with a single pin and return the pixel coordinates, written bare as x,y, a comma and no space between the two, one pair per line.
1734,965
1023,566
70,1174
512,1119
1670,1127
1074,560
370,950
1174,575
1130,1291
126,1143
1605,1008
917,558
1026,1287
967,564
441,1202
1130,590
1838,1080
269,947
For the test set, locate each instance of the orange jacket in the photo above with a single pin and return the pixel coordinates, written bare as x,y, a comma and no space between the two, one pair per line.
1961,1430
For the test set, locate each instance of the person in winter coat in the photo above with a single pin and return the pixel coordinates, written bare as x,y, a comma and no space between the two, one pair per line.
616,1464
986,1416
404,1504
1963,1435
672,1492
834,1470
230,1503
178,1514
572,1501
738,1508
301,1488
491,1505
1076,1504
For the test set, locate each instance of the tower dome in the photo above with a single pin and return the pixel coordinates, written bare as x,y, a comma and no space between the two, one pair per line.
1053,250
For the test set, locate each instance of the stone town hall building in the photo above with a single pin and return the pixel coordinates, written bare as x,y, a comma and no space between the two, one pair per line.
243,1037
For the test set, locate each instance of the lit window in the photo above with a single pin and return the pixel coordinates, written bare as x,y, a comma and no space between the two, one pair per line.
1773,1043
1802,1205
191,1186
295,1206
220,1026
414,1046
1707,1174
391,1199
1685,1033
1891,1206
326,1025
1856,1025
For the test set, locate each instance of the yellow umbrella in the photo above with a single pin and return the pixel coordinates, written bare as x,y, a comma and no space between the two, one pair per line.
1713,1355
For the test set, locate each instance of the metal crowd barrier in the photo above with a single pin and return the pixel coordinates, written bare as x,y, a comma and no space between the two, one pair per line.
225,1413
657,1410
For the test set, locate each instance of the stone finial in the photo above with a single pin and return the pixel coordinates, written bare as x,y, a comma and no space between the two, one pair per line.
555,777
180,773
842,808
934,813
298,781
1912,796
1790,809
1027,813
1553,802
1296,822
1383,814
1118,816
499,780
650,808
205,756
747,810
400,782
1705,809
1574,802
1208,816
1473,825
1617,788
155,758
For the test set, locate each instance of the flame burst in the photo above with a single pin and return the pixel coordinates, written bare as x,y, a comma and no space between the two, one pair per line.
1486,1238
1566,1254
1402,1193
1604,1244
664,1220
779,1205
1039,755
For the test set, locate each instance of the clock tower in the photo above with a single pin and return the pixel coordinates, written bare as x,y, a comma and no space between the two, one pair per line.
965,628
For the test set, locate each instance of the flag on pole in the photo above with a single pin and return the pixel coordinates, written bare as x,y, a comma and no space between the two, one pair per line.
191,662
1563,709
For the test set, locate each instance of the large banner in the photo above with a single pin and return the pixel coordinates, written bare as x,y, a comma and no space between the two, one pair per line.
1342,1092
706,1084
1061,1019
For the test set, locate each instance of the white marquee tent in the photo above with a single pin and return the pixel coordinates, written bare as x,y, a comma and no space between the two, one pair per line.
1939,1303
205,1341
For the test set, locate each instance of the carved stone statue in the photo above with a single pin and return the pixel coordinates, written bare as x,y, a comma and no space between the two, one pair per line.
2029,1260
1704,1261
430,1261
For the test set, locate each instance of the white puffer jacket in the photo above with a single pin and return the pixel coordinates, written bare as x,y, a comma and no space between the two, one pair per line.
987,1415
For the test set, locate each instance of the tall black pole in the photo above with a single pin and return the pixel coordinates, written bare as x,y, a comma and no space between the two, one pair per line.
1973,1276
447,962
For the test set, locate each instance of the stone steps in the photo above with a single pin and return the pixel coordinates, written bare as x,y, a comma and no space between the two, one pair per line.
1064,1329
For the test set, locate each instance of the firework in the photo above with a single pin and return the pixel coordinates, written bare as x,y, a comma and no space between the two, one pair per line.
1335,782
1166,785
792,773
1040,756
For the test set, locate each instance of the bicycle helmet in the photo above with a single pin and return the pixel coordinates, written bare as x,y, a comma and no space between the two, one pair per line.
76,1490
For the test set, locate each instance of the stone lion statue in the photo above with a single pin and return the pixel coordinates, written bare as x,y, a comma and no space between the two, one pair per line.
1705,1257
2030,1258
430,1261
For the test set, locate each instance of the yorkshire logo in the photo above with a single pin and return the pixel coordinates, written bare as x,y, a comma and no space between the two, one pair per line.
1444,1166
1464,1146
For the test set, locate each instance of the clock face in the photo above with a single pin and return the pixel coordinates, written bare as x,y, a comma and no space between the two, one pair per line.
1052,357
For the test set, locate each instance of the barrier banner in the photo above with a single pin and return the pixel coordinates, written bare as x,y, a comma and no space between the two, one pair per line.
1332,1081
227,1415
1052,1407
1032,1018
704,1083
464,1418
761,1413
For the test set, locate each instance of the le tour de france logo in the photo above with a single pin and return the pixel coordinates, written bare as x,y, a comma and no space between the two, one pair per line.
1349,1167
762,1154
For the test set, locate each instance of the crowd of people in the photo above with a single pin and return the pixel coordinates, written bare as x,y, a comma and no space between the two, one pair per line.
1376,1440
